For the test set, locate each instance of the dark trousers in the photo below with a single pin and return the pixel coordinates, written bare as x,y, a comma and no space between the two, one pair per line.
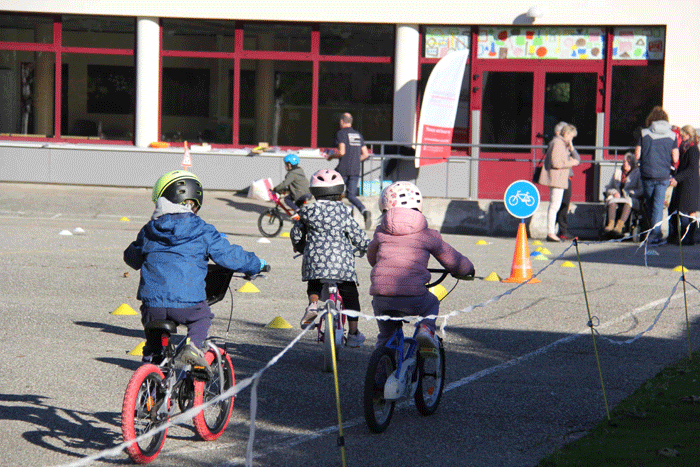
564,211
197,319
348,291
351,183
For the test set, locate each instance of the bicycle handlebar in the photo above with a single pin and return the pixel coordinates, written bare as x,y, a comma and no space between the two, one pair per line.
443,274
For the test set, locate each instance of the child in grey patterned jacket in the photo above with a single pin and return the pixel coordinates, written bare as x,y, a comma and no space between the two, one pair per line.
328,235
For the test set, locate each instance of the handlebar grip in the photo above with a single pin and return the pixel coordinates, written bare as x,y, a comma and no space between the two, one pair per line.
266,268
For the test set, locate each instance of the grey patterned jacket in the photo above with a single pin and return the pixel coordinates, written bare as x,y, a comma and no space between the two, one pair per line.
328,235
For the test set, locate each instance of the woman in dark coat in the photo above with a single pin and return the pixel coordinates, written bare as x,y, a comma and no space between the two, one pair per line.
686,191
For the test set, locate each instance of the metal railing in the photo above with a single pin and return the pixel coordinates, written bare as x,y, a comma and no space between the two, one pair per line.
381,152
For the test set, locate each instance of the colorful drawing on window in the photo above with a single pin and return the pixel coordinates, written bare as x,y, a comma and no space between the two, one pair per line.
640,43
541,43
441,41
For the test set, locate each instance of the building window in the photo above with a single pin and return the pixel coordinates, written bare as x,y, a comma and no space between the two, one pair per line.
357,39
198,35
635,91
277,37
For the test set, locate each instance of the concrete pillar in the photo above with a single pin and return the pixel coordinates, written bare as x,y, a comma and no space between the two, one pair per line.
405,82
405,95
147,81
264,92
44,73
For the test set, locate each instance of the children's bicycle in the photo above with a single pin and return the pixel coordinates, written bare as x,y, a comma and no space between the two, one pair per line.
270,221
157,390
401,370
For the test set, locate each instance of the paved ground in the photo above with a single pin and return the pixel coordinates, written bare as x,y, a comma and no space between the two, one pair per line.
522,375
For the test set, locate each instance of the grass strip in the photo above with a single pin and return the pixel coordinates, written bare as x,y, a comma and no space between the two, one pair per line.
657,425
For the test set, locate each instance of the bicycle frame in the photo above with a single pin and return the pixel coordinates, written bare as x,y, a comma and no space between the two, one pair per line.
280,205
330,292
396,385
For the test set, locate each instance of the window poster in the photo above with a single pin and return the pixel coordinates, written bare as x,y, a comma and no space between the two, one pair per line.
541,43
638,43
441,41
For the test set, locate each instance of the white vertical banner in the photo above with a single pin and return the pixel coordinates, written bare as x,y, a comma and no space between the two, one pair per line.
439,108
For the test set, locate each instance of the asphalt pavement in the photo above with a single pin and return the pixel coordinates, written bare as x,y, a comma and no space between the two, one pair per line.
522,378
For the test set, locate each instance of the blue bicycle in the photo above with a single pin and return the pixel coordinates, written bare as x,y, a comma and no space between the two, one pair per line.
400,369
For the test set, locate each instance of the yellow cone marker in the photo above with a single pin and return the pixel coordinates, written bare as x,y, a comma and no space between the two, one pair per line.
138,350
541,257
284,234
124,219
439,291
544,251
680,269
278,323
567,264
248,287
493,277
124,309
537,242
482,242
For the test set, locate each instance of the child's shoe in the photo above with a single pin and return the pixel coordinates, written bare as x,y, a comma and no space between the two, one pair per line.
355,340
191,355
426,338
309,315
295,217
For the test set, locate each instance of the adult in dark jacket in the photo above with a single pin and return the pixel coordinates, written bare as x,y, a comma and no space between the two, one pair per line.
686,189
657,152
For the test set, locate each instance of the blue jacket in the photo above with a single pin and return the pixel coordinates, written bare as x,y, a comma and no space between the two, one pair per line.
173,250
657,143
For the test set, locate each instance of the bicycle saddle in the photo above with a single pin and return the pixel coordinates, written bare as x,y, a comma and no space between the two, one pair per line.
162,325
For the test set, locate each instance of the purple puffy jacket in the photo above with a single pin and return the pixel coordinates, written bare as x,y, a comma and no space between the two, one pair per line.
400,251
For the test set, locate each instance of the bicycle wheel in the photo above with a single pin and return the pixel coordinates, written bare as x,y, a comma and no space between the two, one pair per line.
378,411
328,338
143,397
431,381
270,223
211,422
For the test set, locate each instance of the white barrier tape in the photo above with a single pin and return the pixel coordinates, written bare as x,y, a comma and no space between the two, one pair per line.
638,336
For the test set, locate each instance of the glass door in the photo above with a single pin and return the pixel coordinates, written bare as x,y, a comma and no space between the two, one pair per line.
521,102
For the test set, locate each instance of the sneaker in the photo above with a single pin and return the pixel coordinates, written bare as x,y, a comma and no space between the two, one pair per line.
368,219
355,340
426,337
295,217
309,315
194,356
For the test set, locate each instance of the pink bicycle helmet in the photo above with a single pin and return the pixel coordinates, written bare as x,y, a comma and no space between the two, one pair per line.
401,195
326,182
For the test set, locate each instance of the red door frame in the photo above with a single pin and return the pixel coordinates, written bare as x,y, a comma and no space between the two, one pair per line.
490,181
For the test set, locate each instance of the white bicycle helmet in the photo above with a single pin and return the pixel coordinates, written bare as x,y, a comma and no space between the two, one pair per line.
401,195
326,182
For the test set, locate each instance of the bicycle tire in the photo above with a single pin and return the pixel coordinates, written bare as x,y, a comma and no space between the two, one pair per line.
211,422
328,338
378,411
270,223
431,381
144,391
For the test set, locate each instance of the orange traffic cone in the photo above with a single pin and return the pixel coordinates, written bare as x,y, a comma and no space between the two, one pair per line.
522,269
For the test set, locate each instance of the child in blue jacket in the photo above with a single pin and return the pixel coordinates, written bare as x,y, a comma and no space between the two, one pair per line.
172,251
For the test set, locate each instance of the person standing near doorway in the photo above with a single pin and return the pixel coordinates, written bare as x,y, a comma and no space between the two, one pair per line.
555,174
566,197
351,151
657,152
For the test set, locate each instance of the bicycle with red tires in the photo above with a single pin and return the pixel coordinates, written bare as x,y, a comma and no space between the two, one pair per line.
158,391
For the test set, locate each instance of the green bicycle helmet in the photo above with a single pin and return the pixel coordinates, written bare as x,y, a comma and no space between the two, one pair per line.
178,186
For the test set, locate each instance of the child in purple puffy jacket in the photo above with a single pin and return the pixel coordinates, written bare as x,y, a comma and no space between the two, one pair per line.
399,255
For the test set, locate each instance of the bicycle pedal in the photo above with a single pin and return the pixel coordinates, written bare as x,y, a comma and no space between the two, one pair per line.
199,372
429,352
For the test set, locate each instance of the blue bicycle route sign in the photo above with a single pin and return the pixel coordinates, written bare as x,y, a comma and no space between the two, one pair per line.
521,199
